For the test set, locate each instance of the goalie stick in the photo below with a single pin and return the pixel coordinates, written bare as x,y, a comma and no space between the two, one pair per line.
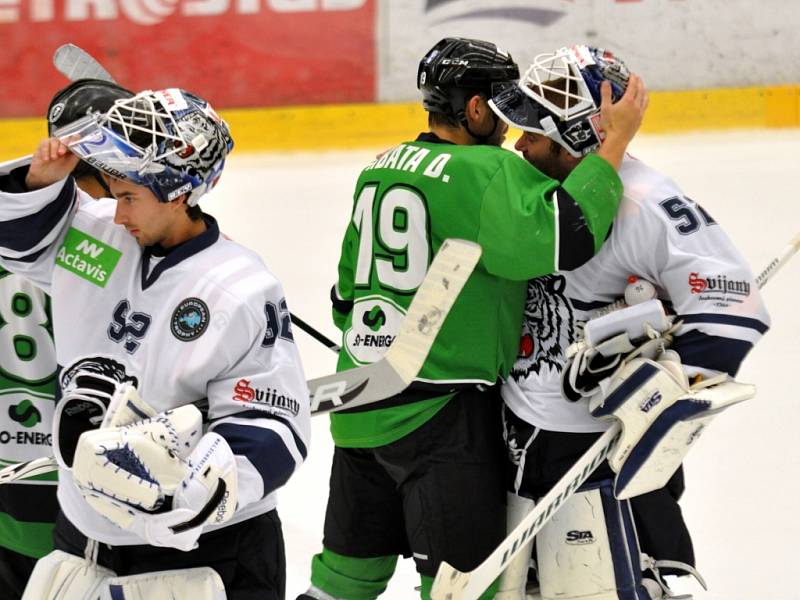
75,63
449,271
779,261
452,584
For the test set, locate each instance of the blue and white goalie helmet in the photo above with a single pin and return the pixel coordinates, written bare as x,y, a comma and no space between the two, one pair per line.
559,96
170,141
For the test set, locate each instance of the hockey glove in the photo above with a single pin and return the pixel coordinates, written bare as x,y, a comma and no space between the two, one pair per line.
91,400
611,341
661,417
151,478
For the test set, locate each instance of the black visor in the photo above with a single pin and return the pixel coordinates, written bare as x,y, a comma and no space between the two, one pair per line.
515,108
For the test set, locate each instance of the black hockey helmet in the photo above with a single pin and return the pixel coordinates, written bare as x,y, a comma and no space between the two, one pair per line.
78,99
457,68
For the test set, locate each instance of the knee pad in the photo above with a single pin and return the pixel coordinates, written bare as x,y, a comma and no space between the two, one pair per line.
349,577
588,549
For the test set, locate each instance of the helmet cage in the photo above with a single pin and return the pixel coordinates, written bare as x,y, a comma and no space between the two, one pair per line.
559,96
154,139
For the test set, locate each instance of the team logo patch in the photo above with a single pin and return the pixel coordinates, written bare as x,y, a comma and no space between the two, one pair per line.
189,320
547,329
25,413
55,112
87,257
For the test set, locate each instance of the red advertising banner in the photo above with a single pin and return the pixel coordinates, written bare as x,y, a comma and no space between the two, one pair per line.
235,53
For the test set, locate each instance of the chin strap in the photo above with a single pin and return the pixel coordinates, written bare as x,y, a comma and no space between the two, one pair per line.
102,183
482,140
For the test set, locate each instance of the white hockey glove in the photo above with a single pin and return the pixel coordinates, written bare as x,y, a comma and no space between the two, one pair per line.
158,478
88,402
611,341
661,417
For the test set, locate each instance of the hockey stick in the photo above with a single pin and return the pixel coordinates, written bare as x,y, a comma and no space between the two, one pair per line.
320,337
32,468
452,584
449,271
780,260
75,63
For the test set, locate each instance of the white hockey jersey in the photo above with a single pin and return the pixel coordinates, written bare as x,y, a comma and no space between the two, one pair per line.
660,235
205,323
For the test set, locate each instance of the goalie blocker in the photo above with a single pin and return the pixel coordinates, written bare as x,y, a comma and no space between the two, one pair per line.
661,416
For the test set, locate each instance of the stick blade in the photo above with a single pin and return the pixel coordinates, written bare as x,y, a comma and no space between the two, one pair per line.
75,63
449,583
32,468
446,277
394,372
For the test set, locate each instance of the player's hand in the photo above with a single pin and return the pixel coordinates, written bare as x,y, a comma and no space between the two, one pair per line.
52,162
621,120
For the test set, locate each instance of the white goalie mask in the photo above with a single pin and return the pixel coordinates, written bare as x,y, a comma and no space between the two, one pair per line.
170,141
559,96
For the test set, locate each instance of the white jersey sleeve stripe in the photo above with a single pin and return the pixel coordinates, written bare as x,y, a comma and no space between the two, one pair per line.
267,444
26,235
724,319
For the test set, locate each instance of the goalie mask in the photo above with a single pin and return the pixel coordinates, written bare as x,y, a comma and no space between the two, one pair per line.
559,96
169,141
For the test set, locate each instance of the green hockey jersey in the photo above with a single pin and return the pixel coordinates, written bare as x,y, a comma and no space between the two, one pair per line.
406,203
27,386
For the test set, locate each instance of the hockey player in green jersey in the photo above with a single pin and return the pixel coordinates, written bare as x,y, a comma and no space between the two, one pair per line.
421,474
28,507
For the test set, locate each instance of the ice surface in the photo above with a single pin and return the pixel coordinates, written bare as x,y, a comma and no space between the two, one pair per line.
742,477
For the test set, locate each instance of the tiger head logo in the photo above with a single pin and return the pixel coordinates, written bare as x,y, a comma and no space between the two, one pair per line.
548,327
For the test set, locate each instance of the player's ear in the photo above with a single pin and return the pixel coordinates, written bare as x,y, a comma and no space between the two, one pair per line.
474,107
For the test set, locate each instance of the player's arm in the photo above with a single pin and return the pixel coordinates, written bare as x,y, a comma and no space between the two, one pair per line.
710,286
590,184
261,406
35,211
621,120
531,226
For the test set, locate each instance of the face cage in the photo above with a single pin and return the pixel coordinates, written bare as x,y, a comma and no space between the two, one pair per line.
117,155
578,136
574,98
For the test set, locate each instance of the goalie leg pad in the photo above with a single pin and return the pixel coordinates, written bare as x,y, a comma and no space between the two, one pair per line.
589,550
64,576
202,583
513,580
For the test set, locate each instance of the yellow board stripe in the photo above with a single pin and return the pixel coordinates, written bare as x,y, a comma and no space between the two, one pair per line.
336,127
